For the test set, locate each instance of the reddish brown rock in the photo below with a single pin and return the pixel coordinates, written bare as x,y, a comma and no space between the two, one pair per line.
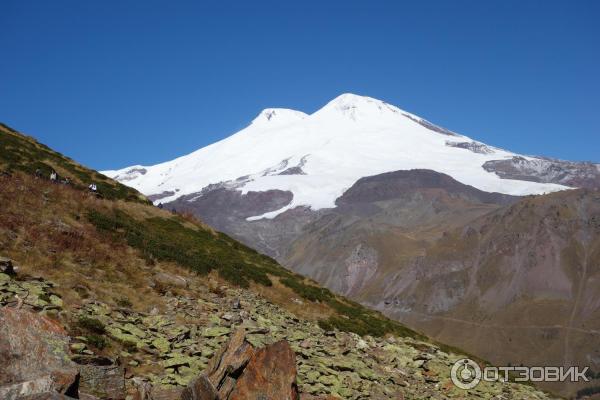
34,356
200,389
270,374
229,362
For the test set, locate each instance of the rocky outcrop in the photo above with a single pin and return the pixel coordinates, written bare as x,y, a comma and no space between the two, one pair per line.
270,374
229,363
34,356
547,170
475,147
239,372
200,389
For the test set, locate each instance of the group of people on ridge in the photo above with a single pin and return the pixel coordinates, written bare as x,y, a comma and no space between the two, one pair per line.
55,179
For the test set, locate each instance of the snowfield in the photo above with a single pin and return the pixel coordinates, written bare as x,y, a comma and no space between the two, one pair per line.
318,156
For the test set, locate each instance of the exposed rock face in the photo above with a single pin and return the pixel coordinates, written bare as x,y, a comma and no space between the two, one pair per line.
475,147
158,196
226,209
200,389
270,374
548,170
34,356
238,372
132,173
361,266
229,363
430,126
518,281
240,206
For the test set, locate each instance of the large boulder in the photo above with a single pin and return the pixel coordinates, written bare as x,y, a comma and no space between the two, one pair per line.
270,374
229,362
34,356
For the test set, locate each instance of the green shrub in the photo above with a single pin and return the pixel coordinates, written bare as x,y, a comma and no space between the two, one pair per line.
91,325
124,302
308,292
96,341
167,239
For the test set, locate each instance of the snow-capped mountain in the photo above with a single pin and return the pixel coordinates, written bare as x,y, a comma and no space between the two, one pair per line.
317,157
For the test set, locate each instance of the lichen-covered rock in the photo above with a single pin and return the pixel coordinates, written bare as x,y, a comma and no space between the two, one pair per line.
171,347
216,331
34,356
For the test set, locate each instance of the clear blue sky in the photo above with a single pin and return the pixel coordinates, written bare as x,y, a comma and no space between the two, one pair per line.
113,83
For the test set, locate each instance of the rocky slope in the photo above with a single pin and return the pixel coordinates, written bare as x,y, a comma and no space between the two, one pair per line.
119,351
540,169
520,281
515,285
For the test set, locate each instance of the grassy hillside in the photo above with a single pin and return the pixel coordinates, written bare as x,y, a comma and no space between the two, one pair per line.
25,154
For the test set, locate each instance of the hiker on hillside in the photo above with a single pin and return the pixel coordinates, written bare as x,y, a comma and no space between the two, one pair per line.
53,176
160,205
93,187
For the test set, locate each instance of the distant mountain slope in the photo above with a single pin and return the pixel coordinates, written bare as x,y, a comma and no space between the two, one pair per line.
518,285
317,157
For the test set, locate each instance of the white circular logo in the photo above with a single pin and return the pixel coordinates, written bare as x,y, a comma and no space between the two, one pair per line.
465,373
